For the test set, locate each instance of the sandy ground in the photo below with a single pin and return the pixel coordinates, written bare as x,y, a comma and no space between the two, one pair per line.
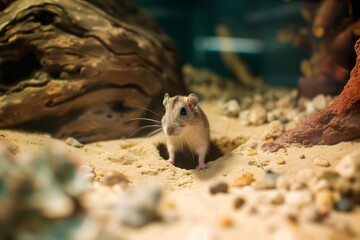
201,215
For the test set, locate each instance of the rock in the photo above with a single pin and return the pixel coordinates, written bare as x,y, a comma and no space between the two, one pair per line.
218,187
330,176
282,183
249,152
349,165
274,130
272,197
310,108
345,204
319,102
324,201
310,213
73,142
343,185
139,206
302,156
244,118
297,199
238,202
87,172
226,221
232,108
280,161
258,98
112,178
257,115
269,181
245,180
321,162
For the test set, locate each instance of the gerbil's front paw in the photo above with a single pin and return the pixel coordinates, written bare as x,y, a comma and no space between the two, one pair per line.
201,166
171,161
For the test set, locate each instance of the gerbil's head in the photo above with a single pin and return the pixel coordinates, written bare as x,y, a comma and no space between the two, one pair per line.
180,113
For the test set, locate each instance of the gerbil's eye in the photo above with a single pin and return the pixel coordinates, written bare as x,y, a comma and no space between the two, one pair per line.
183,111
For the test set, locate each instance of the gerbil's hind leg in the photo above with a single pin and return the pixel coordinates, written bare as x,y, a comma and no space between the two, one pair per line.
201,161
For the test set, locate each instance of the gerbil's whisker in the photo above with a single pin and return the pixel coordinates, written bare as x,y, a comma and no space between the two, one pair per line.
146,119
147,126
150,111
154,132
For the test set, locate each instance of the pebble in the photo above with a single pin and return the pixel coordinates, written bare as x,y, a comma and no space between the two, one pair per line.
302,156
269,181
343,185
298,198
250,153
274,130
310,213
321,162
238,202
87,172
139,206
219,187
319,102
73,142
349,165
324,202
257,115
345,204
244,118
112,178
245,180
232,108
226,221
272,197
282,183
280,161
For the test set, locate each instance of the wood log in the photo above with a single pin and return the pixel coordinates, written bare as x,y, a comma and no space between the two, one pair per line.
339,122
82,68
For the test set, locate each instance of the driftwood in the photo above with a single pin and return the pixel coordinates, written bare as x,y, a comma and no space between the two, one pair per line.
339,122
82,68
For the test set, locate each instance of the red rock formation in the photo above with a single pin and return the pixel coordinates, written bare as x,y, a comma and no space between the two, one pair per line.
339,122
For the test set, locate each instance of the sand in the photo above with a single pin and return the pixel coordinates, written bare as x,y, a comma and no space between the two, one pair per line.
200,215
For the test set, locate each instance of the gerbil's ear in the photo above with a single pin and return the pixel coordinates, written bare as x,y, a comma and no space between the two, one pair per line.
192,100
166,98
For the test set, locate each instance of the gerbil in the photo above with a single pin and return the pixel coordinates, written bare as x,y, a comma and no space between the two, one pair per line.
185,124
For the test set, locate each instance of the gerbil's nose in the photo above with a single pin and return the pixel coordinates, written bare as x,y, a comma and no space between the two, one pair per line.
170,131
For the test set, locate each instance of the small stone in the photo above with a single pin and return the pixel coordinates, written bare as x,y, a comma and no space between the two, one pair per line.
244,118
282,183
257,115
73,142
112,178
280,161
345,204
250,153
349,165
321,162
319,102
87,172
274,130
324,201
310,213
218,187
272,197
238,202
343,185
258,98
232,108
269,181
245,180
302,156
226,221
298,198
330,176
139,206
